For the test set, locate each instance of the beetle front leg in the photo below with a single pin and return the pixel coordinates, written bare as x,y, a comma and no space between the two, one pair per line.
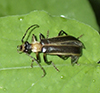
32,64
38,59
44,73
50,62
61,33
37,56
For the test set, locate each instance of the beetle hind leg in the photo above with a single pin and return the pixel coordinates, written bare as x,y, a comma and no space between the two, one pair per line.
74,59
80,36
49,62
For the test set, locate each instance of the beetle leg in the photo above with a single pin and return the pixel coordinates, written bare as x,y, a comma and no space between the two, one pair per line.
47,33
41,36
61,33
37,56
50,62
33,38
74,59
80,36
38,59
63,57
44,73
32,64
82,43
45,59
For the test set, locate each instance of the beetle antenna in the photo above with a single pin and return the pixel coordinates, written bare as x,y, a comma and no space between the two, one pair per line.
44,73
28,30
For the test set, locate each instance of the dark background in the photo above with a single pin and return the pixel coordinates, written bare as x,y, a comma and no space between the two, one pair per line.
96,7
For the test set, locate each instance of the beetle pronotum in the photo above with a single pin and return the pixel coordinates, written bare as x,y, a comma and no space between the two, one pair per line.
62,46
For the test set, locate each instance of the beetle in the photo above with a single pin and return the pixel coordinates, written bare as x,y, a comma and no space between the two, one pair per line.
63,46
98,62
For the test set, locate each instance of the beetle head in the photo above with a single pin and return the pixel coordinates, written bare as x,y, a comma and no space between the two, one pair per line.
25,47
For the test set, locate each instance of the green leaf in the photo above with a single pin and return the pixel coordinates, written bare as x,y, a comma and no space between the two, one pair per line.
16,75
75,9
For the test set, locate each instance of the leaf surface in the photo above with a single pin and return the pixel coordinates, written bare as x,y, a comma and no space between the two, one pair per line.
16,75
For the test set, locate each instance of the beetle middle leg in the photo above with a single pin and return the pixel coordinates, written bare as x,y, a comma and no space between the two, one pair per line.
50,62
61,33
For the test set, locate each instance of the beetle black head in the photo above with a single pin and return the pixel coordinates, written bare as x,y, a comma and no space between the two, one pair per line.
25,47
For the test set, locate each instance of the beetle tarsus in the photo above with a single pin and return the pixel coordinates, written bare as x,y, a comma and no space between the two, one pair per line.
44,72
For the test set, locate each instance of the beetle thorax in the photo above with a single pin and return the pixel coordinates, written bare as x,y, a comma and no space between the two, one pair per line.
36,46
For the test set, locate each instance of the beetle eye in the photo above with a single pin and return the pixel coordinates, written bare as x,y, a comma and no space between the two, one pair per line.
19,48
